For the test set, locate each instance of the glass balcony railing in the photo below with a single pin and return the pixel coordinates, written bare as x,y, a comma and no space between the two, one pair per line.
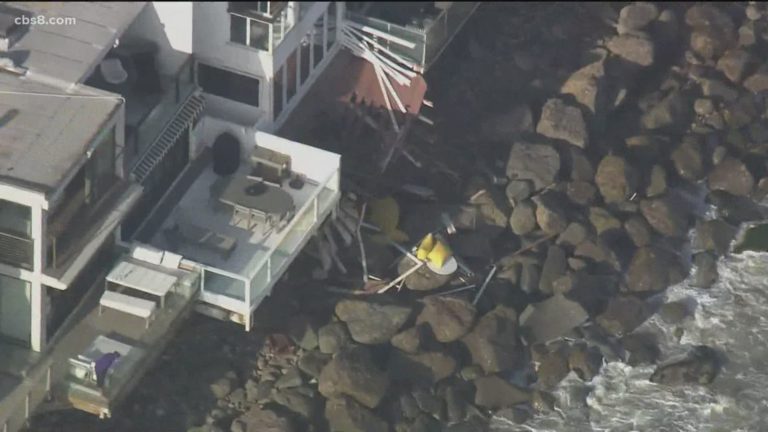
425,42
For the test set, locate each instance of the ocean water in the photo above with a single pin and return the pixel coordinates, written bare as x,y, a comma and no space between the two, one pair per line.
732,317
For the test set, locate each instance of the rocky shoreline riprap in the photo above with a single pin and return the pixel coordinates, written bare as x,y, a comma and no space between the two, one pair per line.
617,130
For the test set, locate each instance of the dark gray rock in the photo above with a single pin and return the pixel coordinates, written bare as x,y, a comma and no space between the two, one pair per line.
424,367
632,48
427,401
303,332
333,337
509,124
674,312
449,318
688,158
636,16
372,323
580,192
346,415
701,366
657,183
422,279
353,373
588,87
297,402
718,90
623,315
666,215
671,112
714,236
653,269
736,209
290,378
492,344
518,190
573,235
523,219
554,267
553,367
563,122
734,64
641,349
602,220
706,270
493,392
538,163
579,166
615,179
551,318
585,361
551,214
409,340
455,405
259,419
704,107
713,30
732,176
757,82
313,362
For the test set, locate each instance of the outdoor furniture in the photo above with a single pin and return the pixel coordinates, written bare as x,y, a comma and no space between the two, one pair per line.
185,232
83,366
258,200
270,165
128,304
130,273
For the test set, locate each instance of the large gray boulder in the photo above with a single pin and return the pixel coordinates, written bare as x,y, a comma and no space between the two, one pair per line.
259,419
493,392
714,236
672,112
636,16
422,279
757,82
538,163
700,366
554,267
372,323
713,31
615,179
706,273
563,122
732,176
551,213
523,218
623,315
734,64
587,86
333,337
449,318
493,342
353,373
665,215
653,269
632,48
688,158
346,415
427,367
551,318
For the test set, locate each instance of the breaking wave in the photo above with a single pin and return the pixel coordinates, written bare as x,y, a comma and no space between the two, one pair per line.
732,317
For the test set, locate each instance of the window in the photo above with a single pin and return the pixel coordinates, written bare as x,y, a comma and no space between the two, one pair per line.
229,85
100,169
15,310
15,218
250,32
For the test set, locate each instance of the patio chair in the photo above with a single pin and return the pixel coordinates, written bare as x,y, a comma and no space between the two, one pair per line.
191,234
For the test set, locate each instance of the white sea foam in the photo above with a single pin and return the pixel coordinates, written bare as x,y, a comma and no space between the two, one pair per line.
732,317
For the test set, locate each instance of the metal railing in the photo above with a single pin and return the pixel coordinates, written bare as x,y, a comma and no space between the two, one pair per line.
16,250
428,42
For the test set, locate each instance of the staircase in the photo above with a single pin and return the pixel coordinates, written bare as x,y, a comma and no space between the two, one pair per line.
189,110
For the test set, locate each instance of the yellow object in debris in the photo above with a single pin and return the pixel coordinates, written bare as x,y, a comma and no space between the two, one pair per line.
385,214
425,247
439,254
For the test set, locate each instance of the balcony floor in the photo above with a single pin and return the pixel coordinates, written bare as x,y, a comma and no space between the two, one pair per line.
195,207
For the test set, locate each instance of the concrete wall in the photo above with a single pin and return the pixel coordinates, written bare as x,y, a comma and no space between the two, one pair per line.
169,24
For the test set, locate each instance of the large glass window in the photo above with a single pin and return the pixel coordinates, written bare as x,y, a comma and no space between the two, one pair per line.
15,218
249,31
100,169
230,85
15,310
